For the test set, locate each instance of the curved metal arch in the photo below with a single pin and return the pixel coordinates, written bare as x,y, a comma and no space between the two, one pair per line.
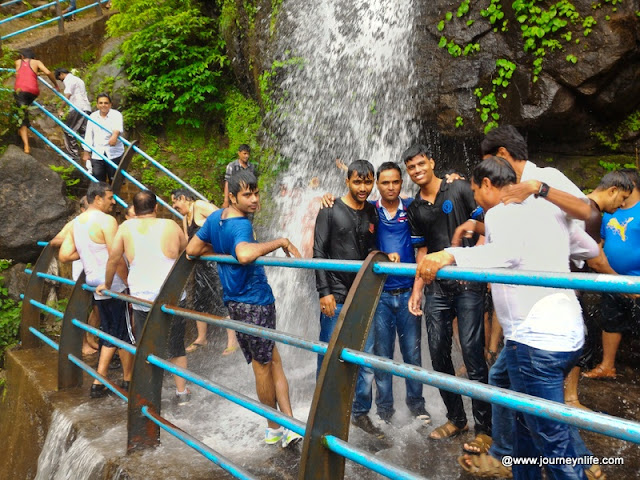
330,412
69,374
34,291
146,383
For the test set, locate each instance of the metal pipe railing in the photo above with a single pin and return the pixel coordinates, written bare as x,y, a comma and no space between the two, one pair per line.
73,162
126,175
215,457
28,12
51,20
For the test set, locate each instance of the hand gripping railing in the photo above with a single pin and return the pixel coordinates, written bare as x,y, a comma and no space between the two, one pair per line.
326,432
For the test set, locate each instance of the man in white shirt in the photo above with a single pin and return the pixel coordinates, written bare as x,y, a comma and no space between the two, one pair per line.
104,142
76,92
543,327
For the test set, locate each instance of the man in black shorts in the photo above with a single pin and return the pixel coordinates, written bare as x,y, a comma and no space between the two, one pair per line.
90,239
151,246
247,293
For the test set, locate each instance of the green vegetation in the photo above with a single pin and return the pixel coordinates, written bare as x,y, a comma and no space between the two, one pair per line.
66,174
8,121
174,60
488,108
9,315
611,138
546,27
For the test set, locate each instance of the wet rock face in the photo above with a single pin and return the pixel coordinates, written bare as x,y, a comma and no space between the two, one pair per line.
32,205
567,102
601,86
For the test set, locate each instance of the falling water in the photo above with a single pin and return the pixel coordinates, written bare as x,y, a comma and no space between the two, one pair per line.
342,95
66,456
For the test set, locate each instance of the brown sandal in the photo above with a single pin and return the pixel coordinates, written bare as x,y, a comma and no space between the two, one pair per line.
478,445
484,466
601,373
448,430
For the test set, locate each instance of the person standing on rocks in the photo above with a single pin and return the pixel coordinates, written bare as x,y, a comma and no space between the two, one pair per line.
247,293
76,92
105,142
151,246
91,240
27,90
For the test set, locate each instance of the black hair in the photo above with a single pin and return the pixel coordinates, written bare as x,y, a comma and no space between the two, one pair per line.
103,95
83,202
508,137
97,189
362,168
242,179
183,192
144,202
388,166
244,148
417,149
59,71
497,170
633,175
27,53
617,179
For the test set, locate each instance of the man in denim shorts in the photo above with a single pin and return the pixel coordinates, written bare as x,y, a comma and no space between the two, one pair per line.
247,293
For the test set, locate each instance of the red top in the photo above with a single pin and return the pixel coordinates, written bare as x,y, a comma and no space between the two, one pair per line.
26,79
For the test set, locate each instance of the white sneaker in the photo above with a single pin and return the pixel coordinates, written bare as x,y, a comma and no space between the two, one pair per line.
290,438
273,435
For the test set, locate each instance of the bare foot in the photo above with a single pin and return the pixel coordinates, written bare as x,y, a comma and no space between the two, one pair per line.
574,402
88,350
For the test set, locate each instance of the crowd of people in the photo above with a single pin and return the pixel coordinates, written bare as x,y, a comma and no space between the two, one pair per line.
510,214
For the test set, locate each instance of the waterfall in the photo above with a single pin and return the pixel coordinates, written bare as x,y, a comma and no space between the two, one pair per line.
344,93
67,456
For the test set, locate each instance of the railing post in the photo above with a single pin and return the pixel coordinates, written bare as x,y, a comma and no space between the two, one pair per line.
69,374
60,17
146,383
118,178
330,412
35,291
99,8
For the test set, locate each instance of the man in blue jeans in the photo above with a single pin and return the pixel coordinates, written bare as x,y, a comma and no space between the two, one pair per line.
542,326
437,210
347,232
392,314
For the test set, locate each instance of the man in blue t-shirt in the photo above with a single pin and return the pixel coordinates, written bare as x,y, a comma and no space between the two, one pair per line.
620,234
247,293
392,314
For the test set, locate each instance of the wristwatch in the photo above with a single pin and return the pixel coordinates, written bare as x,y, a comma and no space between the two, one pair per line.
543,191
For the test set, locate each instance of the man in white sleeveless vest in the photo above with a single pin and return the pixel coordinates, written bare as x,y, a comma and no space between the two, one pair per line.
151,245
91,240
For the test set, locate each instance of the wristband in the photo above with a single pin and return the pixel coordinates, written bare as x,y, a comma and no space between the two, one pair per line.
543,191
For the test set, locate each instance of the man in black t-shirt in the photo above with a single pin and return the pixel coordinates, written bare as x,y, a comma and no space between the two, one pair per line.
347,232
434,215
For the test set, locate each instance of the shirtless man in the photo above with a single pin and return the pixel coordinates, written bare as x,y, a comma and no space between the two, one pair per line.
151,246
247,293
91,239
89,344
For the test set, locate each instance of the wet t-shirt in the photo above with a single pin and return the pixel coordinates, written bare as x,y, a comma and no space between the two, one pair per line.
342,233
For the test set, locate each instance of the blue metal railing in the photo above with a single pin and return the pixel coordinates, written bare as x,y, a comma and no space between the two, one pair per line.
596,422
29,12
125,174
10,2
51,20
